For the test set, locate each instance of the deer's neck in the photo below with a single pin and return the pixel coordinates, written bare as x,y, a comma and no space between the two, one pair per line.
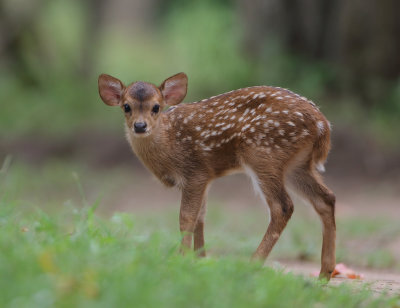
155,153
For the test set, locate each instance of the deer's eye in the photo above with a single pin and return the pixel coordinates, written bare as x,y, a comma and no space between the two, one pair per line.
156,108
127,108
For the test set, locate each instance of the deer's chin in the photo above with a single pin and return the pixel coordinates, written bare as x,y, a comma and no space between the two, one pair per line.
147,133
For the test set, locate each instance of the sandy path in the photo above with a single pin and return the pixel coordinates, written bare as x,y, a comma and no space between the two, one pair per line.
378,281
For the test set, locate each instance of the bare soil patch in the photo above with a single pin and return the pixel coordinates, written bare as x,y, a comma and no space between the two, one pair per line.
378,281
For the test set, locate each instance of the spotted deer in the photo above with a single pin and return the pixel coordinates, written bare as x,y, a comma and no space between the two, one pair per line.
279,138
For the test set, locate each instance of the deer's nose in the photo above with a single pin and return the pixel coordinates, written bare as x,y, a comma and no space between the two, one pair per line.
140,127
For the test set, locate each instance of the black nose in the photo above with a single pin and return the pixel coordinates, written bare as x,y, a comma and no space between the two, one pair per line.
140,127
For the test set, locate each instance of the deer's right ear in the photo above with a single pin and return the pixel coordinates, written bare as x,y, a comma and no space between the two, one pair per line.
110,89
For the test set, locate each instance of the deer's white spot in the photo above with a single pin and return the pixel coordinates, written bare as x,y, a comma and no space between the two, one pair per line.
281,132
321,127
269,109
305,132
298,113
279,98
291,123
252,129
245,127
285,111
225,127
276,123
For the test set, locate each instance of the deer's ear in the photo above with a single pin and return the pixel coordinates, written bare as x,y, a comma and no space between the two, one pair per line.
174,89
110,89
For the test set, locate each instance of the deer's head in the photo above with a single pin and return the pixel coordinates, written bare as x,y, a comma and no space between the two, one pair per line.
142,102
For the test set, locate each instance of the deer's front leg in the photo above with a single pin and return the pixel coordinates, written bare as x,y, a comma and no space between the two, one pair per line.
199,230
191,204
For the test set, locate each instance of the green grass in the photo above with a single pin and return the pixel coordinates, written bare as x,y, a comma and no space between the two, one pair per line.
56,251
230,231
76,259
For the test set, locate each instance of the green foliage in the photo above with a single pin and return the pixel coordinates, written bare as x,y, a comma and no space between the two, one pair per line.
53,88
77,259
208,49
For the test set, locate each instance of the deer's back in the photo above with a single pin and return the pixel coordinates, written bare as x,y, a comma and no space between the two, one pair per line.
266,121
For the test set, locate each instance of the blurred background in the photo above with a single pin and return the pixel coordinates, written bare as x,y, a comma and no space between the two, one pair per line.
60,145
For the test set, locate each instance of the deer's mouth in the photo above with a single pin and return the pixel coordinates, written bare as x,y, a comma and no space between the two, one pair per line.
141,134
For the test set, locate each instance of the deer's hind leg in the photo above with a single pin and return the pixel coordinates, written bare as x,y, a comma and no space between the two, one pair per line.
280,205
308,183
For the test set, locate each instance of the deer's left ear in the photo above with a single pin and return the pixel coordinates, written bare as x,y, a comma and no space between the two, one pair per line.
174,89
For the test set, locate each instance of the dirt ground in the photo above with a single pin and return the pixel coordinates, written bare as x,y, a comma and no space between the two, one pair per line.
380,282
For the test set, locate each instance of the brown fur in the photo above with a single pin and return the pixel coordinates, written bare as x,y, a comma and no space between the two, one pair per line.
275,135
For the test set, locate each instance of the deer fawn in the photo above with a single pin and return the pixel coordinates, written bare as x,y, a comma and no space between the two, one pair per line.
277,137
